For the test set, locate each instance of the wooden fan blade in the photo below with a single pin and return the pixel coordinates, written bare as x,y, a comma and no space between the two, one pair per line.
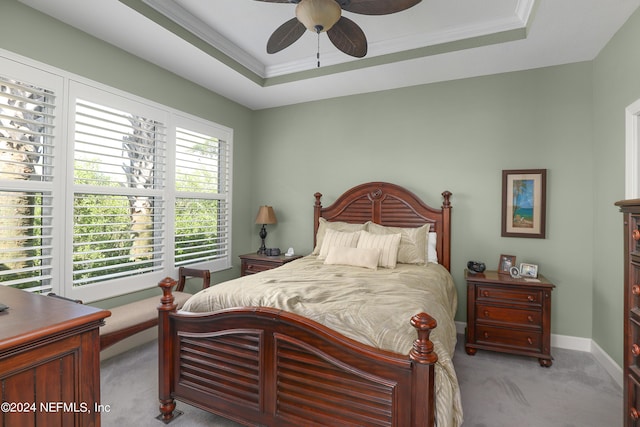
285,35
281,1
378,7
347,36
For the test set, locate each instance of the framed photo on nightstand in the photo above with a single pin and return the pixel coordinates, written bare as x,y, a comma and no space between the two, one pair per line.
505,263
528,270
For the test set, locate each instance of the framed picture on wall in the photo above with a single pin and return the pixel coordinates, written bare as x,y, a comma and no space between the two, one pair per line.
524,201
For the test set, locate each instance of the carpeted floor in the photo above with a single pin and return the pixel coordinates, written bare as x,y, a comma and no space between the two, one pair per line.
497,391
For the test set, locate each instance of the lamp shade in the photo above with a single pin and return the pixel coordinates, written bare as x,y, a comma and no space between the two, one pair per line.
318,15
266,215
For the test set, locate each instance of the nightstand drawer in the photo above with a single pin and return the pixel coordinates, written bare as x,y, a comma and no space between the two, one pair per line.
526,340
519,295
255,267
509,316
256,263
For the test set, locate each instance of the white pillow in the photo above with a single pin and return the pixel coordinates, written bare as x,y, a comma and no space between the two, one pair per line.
413,243
338,238
387,243
432,254
357,257
324,225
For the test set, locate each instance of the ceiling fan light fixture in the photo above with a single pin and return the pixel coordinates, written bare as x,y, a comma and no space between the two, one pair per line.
318,15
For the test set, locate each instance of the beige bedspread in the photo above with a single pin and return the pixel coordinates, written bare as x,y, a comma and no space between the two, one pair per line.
370,306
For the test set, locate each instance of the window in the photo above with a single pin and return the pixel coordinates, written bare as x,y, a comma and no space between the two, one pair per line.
139,190
28,119
202,213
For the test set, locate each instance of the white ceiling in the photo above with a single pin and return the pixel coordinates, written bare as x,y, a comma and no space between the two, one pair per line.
436,40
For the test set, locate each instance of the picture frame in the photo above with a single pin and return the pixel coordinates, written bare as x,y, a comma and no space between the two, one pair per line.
524,203
514,272
505,263
528,270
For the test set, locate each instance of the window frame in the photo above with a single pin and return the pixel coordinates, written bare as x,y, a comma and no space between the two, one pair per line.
19,70
68,86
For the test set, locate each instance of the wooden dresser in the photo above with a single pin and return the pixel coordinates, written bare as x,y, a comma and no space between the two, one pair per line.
631,367
255,263
509,315
49,361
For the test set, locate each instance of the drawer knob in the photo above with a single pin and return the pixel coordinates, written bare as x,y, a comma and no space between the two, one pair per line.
486,335
635,290
529,340
634,414
530,318
485,293
486,313
530,298
635,350
636,234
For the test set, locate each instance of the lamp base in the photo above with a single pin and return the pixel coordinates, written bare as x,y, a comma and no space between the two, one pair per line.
263,235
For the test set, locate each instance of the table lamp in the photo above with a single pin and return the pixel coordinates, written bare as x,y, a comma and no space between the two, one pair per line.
265,216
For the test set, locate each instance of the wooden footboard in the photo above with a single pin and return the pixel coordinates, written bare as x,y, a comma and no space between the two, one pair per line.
262,366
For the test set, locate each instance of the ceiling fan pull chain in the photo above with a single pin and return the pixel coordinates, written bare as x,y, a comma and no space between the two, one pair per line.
318,54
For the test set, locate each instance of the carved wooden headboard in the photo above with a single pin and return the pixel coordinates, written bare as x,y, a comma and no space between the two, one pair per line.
390,205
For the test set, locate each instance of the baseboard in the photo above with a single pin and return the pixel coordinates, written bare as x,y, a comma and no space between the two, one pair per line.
607,363
571,343
579,344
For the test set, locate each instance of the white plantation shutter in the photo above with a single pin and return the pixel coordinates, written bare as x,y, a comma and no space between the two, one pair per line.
110,197
27,125
202,205
118,204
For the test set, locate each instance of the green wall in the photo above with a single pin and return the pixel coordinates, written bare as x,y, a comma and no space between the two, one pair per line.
616,84
458,136
455,136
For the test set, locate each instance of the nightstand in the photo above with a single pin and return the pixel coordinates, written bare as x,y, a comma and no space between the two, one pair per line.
509,315
254,263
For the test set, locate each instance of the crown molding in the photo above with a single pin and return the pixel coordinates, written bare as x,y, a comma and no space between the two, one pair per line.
176,13
182,17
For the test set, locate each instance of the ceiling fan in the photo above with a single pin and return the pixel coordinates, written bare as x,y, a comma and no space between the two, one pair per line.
326,16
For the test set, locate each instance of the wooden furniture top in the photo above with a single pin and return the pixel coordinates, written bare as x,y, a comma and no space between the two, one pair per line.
31,317
390,205
492,276
280,259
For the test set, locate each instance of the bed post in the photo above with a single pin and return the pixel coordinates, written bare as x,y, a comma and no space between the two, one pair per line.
423,396
317,207
165,353
446,228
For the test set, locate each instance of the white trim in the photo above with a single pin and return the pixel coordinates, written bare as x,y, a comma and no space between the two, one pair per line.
632,176
568,342
571,343
178,14
607,363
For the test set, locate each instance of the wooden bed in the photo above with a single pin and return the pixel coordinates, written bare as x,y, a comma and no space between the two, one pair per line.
263,366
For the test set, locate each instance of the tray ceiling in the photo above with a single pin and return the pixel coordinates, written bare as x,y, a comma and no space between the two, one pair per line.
221,44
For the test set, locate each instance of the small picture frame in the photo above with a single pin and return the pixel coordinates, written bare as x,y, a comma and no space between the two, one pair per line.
529,270
505,263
